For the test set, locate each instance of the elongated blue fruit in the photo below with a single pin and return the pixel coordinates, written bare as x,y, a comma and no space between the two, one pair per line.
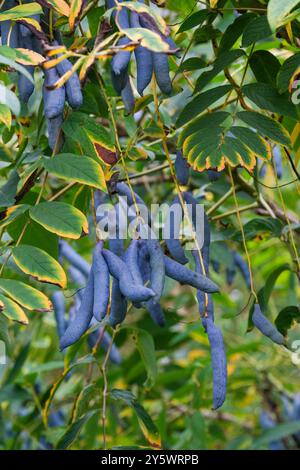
155,312
121,60
161,71
83,316
114,354
72,86
278,161
206,311
59,306
74,258
230,274
243,267
25,86
186,276
182,169
172,228
119,80
54,100
219,363
118,269
101,283
266,327
128,97
55,137
143,261
157,267
131,259
143,57
118,308
172,45
76,276
213,175
123,190
9,32
194,214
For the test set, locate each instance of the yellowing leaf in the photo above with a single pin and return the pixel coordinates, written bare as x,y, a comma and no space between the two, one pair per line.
21,11
59,5
82,169
39,264
5,115
147,38
76,6
28,57
13,311
25,295
60,218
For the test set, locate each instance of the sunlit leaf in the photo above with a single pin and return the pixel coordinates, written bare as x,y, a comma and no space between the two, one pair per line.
25,295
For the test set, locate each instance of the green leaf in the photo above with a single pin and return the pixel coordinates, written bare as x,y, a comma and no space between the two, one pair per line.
287,318
73,431
193,63
195,19
234,31
81,169
252,140
20,11
287,72
12,310
280,431
96,139
5,115
266,97
9,98
145,345
278,10
266,126
223,61
38,264
146,38
25,295
148,428
200,103
19,68
82,401
256,30
60,218
207,121
262,226
9,190
265,67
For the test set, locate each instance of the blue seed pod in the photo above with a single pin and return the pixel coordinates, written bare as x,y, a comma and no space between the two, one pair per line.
143,57
9,34
123,190
121,59
54,100
72,86
161,71
143,261
243,267
25,86
172,45
131,259
101,283
119,80
128,97
74,258
83,317
54,125
76,276
118,308
155,312
172,229
188,277
278,161
118,269
213,175
216,265
219,363
230,275
193,214
59,306
182,169
157,267
266,327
